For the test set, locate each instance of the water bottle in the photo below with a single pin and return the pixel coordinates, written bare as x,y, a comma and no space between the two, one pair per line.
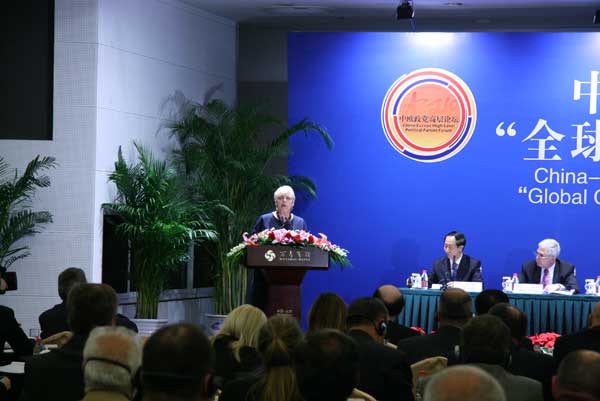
597,285
515,280
424,279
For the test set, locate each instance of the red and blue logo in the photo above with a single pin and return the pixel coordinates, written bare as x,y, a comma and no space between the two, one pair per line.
429,115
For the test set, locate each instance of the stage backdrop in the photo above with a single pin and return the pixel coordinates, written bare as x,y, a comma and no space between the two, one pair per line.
496,135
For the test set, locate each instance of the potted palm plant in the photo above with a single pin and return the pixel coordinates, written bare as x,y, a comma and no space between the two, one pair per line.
17,220
223,157
158,221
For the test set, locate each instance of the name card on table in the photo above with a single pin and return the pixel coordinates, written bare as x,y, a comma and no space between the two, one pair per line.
468,286
523,288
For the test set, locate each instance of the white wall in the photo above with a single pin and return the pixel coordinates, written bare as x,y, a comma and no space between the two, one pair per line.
115,63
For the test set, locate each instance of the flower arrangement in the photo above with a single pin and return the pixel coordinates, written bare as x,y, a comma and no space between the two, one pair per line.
292,238
544,341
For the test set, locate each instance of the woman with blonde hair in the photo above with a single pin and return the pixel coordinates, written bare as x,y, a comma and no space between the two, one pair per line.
329,311
277,380
235,344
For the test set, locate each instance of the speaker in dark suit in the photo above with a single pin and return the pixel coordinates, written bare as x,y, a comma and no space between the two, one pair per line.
560,274
456,266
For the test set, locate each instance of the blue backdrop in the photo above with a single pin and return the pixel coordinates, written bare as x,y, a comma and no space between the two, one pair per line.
529,171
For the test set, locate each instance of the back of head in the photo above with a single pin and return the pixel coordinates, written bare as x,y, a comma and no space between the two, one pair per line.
486,339
111,357
327,366
454,307
327,312
89,306
176,363
243,323
67,279
391,297
488,298
276,342
513,318
366,311
578,372
463,383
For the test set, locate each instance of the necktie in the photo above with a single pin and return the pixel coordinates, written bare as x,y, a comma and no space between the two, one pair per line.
546,278
454,268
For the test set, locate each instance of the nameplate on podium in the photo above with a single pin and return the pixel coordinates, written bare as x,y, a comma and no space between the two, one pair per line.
468,286
526,288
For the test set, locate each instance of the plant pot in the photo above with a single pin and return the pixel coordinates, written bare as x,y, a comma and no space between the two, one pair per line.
148,326
214,323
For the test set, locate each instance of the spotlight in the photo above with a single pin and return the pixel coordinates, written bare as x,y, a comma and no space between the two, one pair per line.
597,17
405,10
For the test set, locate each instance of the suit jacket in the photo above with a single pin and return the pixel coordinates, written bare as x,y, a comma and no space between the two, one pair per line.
564,273
516,388
469,269
56,375
257,292
441,343
11,332
384,372
396,332
54,320
536,366
585,339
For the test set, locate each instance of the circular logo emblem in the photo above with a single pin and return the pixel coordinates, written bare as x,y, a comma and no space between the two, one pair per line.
428,115
270,255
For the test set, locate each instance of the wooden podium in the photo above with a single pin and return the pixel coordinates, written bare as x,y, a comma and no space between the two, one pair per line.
284,268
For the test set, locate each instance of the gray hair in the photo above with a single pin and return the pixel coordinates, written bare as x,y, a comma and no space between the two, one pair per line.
284,190
463,383
551,245
111,357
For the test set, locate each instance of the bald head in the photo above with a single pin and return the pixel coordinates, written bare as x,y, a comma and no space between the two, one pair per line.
595,316
454,307
463,383
391,296
578,373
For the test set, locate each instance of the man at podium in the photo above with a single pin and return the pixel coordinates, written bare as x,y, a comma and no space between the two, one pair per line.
282,217
553,273
455,266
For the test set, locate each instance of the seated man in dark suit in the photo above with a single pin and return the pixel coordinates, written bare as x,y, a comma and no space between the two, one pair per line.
54,320
384,371
577,377
525,362
58,375
548,270
455,266
327,366
586,339
11,332
393,300
454,311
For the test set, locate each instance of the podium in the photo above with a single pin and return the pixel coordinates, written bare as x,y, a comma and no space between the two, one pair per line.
284,268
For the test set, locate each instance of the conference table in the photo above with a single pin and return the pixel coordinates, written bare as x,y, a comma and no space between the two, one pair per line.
561,314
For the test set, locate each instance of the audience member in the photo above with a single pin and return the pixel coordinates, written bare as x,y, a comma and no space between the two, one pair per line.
11,332
455,266
384,372
454,311
54,320
329,311
463,383
277,381
486,344
393,300
327,366
548,270
525,362
585,339
177,363
236,343
111,358
58,375
488,298
5,386
577,377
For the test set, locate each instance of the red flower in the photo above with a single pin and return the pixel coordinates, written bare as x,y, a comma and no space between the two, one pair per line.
271,235
418,329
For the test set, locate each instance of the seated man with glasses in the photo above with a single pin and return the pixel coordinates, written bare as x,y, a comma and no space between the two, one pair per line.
548,270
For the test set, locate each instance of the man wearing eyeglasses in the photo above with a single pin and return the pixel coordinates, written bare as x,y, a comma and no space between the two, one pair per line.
548,270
